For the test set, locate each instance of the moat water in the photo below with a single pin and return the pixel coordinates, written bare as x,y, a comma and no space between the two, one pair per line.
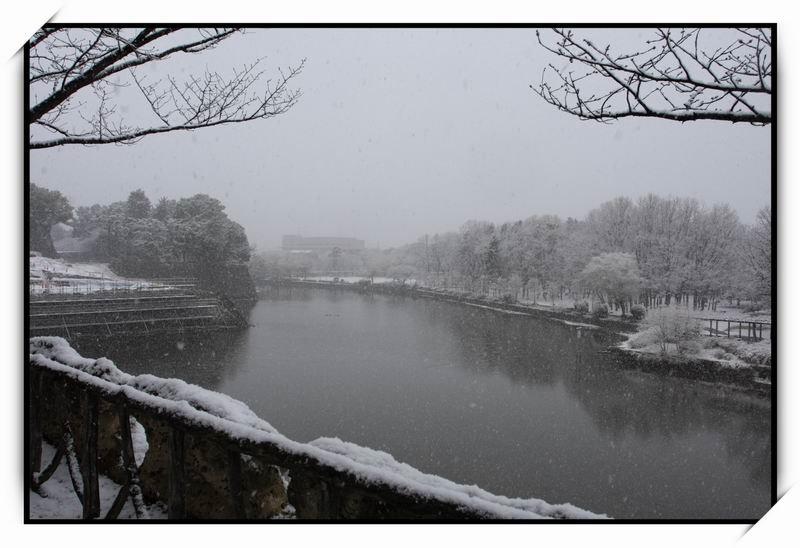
520,406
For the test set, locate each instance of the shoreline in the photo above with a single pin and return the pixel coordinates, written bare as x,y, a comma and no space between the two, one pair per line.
750,378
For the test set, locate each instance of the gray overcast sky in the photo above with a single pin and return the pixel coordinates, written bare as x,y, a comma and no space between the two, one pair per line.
402,132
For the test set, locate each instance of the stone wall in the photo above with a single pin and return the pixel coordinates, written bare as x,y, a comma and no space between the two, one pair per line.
208,494
225,472
232,281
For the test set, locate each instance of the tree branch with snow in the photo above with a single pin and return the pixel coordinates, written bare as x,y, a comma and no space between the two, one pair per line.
74,74
680,74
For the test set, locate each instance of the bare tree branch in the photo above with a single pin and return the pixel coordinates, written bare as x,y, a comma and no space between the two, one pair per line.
674,76
72,70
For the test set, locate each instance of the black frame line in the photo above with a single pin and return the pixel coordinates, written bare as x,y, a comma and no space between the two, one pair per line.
378,25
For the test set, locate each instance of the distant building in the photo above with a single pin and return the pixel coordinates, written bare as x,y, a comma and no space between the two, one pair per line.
317,244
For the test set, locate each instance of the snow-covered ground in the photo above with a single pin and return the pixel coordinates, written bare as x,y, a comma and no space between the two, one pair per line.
56,498
502,310
39,265
61,277
732,352
229,416
354,279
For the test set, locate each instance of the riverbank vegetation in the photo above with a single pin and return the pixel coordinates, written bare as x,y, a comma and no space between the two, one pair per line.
653,251
663,261
730,352
672,331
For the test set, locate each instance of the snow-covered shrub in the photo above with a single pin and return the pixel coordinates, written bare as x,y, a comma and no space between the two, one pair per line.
600,311
582,307
638,312
675,327
719,353
751,307
508,298
757,353
689,347
644,338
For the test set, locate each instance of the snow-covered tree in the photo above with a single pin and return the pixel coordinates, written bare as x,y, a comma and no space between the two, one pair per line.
681,74
138,205
757,253
165,209
613,277
47,208
74,76
613,224
402,272
190,233
473,249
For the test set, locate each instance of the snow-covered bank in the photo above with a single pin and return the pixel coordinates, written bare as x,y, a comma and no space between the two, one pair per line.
59,276
513,312
728,352
714,359
233,419
40,265
355,279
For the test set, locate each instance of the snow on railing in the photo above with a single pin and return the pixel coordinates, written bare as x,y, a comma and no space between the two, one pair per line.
191,409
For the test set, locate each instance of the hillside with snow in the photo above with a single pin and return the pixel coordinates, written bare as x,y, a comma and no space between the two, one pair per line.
59,276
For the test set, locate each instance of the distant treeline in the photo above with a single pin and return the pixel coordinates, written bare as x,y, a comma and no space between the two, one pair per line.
173,238
652,250
181,237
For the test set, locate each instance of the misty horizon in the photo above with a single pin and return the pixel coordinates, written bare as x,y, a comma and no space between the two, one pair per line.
406,132
377,245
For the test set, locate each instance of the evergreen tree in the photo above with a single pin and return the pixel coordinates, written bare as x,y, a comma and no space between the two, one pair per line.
491,259
47,207
165,209
138,205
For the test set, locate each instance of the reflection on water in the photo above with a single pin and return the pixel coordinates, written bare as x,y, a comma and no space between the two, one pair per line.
519,406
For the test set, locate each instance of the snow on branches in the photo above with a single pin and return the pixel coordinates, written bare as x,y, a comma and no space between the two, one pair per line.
75,75
681,74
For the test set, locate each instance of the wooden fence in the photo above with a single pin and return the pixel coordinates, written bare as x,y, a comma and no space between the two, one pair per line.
742,329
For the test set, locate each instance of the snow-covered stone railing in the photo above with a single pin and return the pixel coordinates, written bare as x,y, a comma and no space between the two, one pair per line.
209,456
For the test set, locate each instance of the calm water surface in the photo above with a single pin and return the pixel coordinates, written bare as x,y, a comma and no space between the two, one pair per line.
520,406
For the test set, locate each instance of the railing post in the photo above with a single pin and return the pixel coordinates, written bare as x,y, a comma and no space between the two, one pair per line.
131,487
177,483
91,485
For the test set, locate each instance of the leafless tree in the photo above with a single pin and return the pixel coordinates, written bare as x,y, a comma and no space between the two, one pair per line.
681,74
757,251
74,75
